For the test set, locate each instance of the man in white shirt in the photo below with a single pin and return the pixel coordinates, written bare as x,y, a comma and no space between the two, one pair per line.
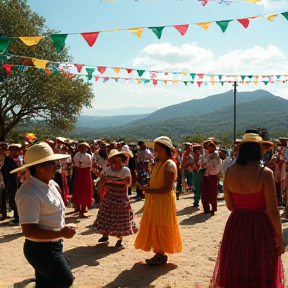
42,217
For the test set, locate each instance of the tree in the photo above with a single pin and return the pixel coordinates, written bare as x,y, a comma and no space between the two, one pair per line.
27,93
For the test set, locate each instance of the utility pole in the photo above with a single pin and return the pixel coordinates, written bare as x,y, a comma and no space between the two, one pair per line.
235,91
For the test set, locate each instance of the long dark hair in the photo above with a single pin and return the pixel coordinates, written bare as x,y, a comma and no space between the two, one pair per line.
168,150
249,151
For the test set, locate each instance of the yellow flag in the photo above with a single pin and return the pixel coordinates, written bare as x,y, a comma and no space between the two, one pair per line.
253,1
204,25
29,41
117,70
271,17
40,63
136,31
138,81
184,73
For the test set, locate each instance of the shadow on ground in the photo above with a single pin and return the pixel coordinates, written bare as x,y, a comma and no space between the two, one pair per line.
88,255
24,283
10,237
140,276
195,219
187,210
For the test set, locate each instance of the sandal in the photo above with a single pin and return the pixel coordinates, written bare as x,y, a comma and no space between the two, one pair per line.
157,260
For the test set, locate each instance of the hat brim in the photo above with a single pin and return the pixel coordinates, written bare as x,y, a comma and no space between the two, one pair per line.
127,154
263,143
45,159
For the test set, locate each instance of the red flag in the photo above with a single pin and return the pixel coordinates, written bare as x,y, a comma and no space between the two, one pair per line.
101,69
200,75
199,83
79,67
96,78
7,68
129,70
245,22
182,28
90,37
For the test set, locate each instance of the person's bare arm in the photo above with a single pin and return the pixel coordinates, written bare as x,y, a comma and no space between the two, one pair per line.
271,204
168,184
37,232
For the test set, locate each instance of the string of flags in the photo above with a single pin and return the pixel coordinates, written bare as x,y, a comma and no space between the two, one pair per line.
59,39
89,70
197,79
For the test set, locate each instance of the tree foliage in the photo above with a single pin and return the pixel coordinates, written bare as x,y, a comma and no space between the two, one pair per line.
27,94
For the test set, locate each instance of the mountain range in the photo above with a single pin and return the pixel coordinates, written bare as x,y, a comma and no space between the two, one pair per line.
213,114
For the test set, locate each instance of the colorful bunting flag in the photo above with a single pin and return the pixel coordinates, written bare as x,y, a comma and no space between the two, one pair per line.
101,69
59,41
157,31
136,31
140,72
204,25
223,24
181,28
30,41
90,37
245,22
79,67
4,43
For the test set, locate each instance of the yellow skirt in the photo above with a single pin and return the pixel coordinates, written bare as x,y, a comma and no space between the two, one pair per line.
159,230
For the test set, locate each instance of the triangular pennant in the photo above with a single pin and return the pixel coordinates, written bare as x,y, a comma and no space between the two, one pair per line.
90,71
220,77
278,76
243,77
185,82
285,14
4,43
144,81
101,69
136,31
117,70
105,79
184,73
96,78
200,75
265,82
223,24
181,28
222,83
79,67
199,83
59,41
7,68
30,41
48,72
55,72
157,31
90,37
204,25
40,63
155,82
141,72
271,17
129,70
245,22
193,75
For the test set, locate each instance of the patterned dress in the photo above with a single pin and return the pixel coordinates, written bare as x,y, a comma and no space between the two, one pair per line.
115,215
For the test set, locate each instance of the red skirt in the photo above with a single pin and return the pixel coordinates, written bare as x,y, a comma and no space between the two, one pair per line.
247,257
83,188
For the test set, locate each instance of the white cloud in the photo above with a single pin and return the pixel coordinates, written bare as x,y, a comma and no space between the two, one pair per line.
192,58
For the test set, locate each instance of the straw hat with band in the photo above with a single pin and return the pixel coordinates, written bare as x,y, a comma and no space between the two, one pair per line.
15,145
84,144
165,141
39,153
115,152
252,137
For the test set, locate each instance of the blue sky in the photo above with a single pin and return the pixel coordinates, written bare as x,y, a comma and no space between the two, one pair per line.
261,48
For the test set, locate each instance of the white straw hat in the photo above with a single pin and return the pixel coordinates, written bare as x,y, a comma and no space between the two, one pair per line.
126,148
115,152
165,140
39,153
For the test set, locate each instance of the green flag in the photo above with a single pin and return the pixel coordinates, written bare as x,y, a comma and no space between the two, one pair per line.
223,24
157,31
59,41
4,43
140,72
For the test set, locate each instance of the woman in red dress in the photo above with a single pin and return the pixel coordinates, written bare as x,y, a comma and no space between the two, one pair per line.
252,244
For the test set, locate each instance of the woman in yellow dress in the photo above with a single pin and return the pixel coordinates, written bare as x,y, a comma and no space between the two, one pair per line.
159,230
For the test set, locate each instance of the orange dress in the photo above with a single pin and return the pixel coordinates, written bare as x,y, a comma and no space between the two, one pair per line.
159,228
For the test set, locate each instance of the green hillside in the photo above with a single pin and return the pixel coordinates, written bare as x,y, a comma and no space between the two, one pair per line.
202,106
268,112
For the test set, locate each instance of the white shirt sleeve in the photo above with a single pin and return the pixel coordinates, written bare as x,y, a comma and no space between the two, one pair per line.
28,209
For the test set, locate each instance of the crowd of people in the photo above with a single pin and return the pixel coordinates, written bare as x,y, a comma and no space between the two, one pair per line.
39,180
